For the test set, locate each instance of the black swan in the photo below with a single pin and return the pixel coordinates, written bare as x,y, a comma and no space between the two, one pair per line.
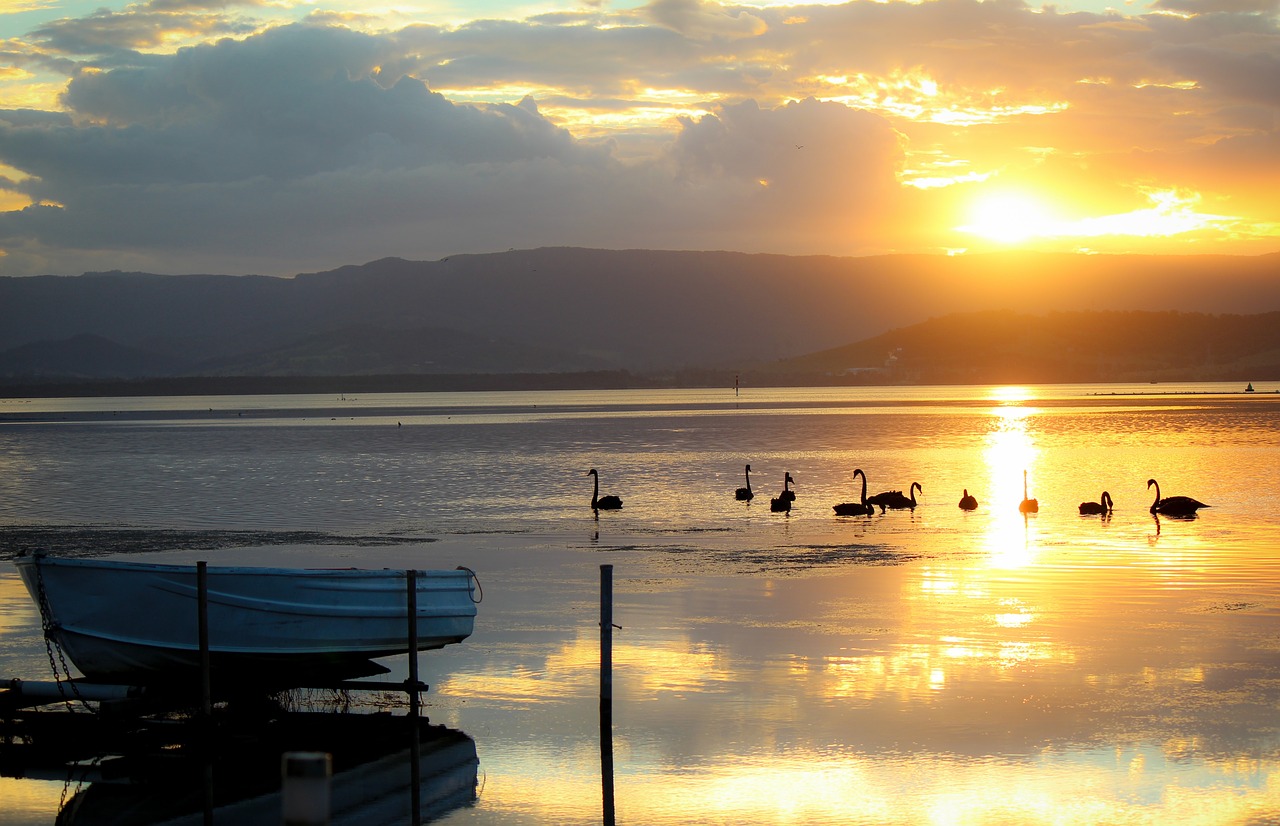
745,494
1103,505
862,508
787,492
602,503
967,502
894,498
782,504
1174,505
1028,505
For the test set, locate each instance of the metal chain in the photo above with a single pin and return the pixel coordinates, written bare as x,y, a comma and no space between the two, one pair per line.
48,626
478,586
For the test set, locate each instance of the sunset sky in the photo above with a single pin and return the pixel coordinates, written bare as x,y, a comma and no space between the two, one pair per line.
279,136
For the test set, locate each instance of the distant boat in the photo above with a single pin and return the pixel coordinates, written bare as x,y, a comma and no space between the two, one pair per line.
137,622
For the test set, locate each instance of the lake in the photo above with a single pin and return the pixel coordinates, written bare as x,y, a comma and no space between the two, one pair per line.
917,666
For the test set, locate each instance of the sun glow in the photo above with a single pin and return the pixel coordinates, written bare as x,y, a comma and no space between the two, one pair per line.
1010,217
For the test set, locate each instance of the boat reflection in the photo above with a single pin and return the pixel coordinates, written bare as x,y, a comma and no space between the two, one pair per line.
236,778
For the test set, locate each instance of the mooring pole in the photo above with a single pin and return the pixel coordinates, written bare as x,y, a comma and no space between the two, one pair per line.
606,693
206,688
202,603
415,743
606,632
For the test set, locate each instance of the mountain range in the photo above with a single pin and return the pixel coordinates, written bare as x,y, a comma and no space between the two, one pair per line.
640,314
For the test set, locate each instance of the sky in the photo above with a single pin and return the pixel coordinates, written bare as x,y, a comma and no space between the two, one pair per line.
283,136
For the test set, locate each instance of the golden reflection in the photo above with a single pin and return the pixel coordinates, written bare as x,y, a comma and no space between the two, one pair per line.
1054,787
651,668
17,611
29,801
1010,393
1010,450
912,671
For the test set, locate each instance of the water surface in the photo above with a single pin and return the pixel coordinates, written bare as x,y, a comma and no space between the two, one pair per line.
925,666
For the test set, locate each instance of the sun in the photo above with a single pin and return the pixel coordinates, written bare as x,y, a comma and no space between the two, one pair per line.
1009,218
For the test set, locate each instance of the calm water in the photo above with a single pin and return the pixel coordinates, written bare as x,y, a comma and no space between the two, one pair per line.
927,666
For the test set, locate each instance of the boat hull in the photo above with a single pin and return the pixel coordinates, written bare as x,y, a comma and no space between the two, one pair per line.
139,622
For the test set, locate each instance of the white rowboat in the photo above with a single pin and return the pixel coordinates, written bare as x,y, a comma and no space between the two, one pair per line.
138,622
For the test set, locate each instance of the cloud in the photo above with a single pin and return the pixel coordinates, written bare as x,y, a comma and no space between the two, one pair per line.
105,32
698,19
678,125
1219,6
1228,75
284,145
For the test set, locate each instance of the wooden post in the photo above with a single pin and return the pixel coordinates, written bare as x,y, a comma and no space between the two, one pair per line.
606,694
606,632
206,689
202,603
415,743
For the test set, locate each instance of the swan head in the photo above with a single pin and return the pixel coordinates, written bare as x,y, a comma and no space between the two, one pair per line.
1151,482
592,472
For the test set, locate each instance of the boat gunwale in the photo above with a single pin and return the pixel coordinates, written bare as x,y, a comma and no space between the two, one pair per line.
239,570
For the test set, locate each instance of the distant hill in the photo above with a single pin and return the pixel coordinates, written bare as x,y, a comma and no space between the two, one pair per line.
1003,347
85,356
363,350
569,310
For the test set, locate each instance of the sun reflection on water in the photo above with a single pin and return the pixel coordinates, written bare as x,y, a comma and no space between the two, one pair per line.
1053,787
1010,450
